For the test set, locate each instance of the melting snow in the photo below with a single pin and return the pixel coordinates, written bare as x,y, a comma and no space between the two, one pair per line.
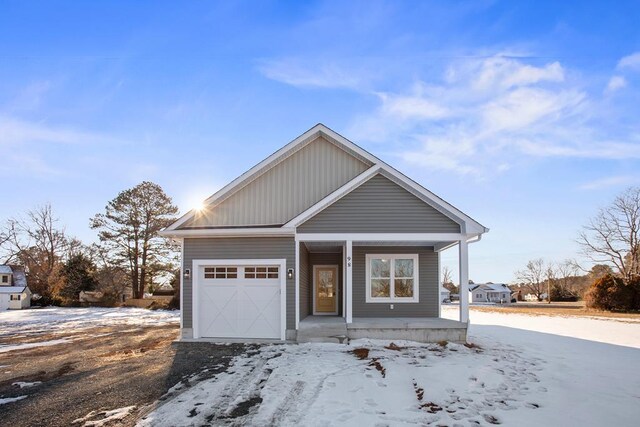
104,417
5,400
527,371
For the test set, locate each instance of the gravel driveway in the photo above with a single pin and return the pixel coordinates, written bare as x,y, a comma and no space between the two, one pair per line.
99,369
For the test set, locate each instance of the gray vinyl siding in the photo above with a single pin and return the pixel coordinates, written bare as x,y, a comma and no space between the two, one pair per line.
379,206
305,282
428,291
238,248
287,189
321,258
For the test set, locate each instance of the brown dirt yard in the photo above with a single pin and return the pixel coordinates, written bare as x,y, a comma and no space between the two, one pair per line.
554,309
101,368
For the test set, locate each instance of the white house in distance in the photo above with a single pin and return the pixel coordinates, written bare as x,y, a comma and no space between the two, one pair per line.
14,292
445,294
490,292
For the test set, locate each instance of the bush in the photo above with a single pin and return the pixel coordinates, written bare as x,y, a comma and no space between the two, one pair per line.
611,293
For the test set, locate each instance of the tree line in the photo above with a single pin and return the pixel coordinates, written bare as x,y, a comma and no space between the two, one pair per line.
611,239
129,258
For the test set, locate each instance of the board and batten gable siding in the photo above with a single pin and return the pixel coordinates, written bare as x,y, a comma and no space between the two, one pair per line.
379,206
284,191
238,248
428,288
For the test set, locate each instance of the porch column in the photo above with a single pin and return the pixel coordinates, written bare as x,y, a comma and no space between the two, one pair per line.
463,258
297,284
349,284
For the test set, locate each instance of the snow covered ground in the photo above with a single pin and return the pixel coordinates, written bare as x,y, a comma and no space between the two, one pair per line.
51,319
527,371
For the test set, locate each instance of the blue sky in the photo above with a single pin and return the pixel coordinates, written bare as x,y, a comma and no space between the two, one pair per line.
523,114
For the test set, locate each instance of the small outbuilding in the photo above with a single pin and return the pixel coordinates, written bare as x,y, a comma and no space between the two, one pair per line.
14,292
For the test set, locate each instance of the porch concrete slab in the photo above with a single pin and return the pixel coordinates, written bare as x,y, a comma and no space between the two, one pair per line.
404,323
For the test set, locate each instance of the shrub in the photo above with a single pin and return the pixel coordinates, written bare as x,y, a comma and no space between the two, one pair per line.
611,293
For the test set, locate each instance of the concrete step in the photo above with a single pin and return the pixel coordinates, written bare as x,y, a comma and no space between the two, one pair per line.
329,339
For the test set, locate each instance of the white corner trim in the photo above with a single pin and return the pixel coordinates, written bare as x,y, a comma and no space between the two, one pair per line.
296,293
195,276
391,299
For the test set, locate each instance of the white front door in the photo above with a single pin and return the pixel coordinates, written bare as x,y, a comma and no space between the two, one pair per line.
238,301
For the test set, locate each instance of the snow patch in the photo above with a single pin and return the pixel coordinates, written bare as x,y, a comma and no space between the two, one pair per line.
24,384
104,417
7,348
5,400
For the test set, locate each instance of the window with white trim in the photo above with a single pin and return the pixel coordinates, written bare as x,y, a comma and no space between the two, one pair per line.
5,279
15,297
392,278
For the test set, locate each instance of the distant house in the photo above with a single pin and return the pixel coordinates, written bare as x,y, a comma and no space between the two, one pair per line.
14,292
490,292
445,294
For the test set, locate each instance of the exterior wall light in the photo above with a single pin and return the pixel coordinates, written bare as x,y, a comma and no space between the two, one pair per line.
187,273
290,273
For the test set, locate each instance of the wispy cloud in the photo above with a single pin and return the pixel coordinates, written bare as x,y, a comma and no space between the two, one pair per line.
313,73
612,181
615,83
15,131
630,62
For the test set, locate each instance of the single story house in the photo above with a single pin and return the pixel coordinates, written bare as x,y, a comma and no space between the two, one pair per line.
445,294
14,292
490,292
320,241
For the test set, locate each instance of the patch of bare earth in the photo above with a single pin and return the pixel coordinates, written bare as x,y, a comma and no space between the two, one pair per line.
99,370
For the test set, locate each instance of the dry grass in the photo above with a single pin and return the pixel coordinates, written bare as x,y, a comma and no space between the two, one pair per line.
361,353
576,309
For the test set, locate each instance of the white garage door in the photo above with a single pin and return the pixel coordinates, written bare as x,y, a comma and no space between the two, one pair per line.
239,301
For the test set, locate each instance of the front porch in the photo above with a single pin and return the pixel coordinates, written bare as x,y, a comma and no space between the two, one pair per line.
357,314
421,329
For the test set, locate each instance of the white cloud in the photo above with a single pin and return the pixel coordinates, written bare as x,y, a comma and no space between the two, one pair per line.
631,62
612,181
615,83
505,73
485,115
311,73
15,131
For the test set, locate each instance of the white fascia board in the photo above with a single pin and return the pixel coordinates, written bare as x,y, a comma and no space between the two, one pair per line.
229,232
379,237
274,158
334,197
471,225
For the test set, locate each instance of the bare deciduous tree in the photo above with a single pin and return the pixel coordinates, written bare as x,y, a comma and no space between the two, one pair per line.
533,277
37,242
613,235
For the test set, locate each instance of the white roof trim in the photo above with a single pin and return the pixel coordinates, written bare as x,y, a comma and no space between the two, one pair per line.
230,232
468,225
333,197
275,158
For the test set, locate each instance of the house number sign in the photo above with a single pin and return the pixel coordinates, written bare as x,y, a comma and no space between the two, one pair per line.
348,261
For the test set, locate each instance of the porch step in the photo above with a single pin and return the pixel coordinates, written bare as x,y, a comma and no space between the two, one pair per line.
322,332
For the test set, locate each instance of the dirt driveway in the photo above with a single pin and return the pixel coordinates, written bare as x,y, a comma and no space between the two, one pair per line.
97,369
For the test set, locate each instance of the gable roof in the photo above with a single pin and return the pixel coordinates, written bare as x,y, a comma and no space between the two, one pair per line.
491,287
375,166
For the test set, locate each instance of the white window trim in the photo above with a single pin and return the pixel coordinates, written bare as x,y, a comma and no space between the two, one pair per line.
391,299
